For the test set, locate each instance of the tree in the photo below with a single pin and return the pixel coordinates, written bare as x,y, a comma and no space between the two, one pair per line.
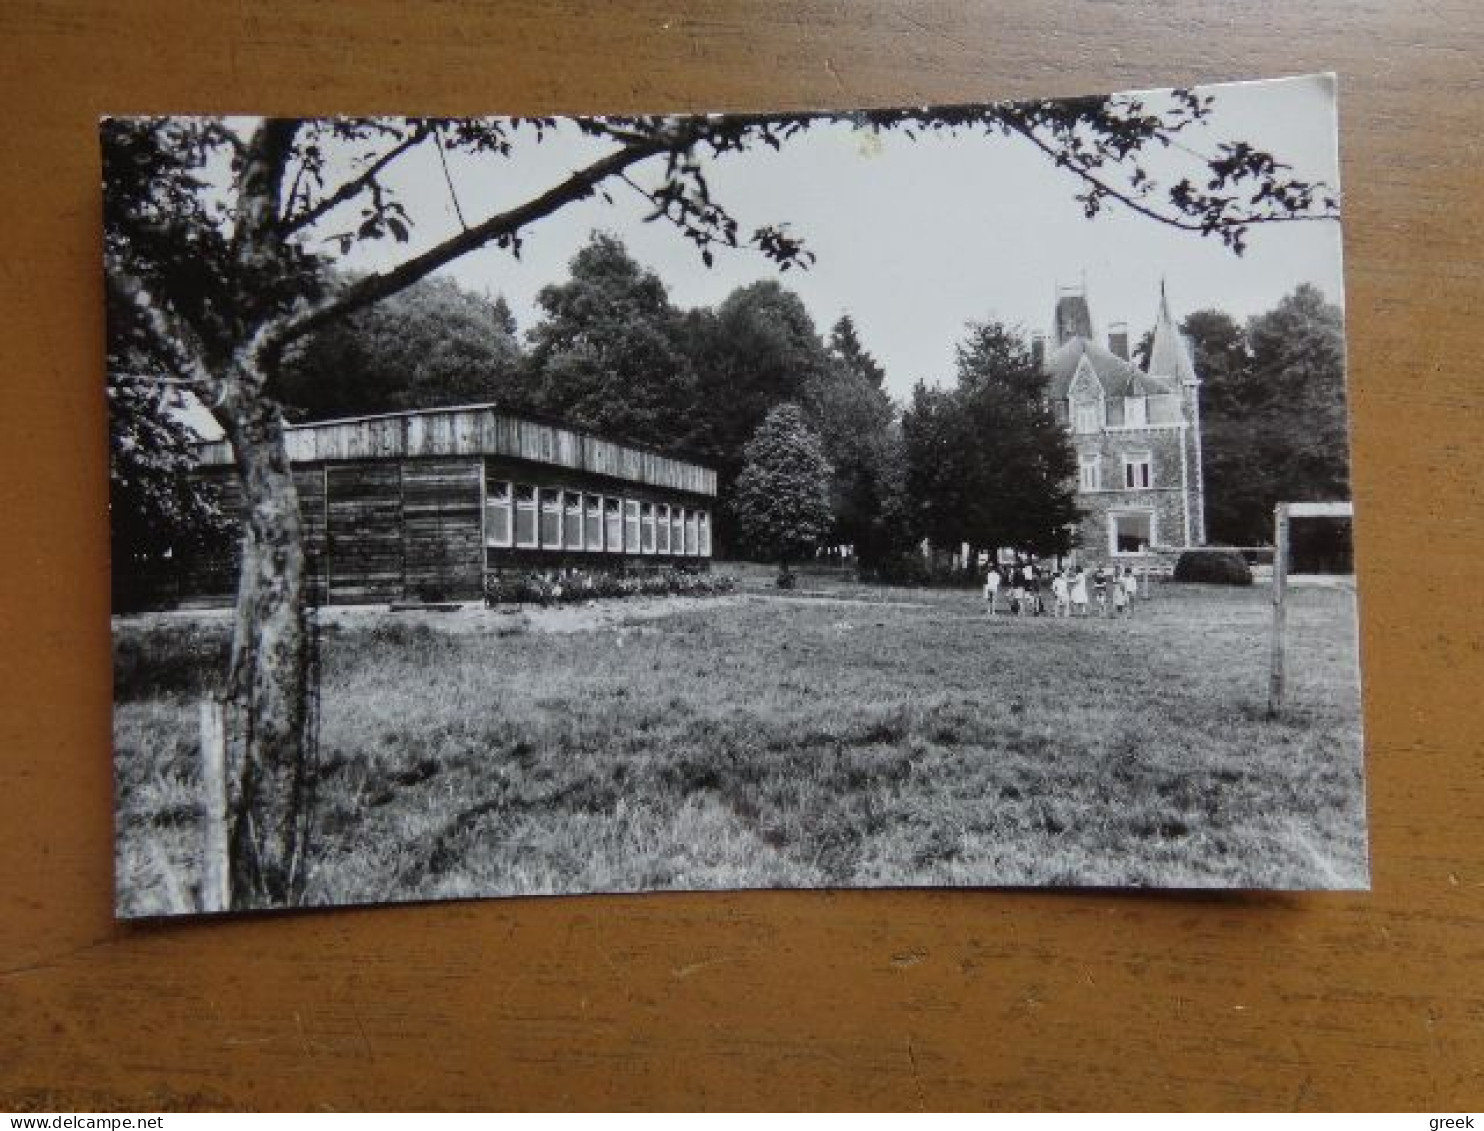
782,498
431,345
845,344
211,278
988,462
609,356
1273,412
155,511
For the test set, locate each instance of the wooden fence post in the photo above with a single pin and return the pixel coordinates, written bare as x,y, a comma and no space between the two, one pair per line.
1276,674
216,890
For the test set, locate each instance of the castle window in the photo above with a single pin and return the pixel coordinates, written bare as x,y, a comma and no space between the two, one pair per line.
1089,474
705,534
677,531
1131,533
525,515
692,534
1087,416
1137,472
1135,412
663,527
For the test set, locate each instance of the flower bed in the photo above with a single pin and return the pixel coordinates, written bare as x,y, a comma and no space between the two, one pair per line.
572,586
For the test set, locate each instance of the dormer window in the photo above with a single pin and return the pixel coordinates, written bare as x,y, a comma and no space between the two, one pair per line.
1087,416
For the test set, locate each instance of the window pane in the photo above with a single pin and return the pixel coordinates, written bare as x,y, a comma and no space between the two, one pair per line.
525,515
1131,533
647,523
551,519
690,534
614,521
705,534
631,526
594,523
572,526
497,506
677,531
663,528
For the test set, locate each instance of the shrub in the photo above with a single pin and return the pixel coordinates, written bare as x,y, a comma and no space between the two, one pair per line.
1214,567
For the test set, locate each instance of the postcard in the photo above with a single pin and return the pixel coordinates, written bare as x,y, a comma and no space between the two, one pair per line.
912,497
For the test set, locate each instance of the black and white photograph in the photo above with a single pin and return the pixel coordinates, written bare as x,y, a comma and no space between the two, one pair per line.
948,496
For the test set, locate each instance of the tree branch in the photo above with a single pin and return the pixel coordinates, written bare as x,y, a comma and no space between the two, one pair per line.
1183,223
504,226
169,336
357,184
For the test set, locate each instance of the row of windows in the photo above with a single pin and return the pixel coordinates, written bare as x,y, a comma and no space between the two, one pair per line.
1138,472
1087,415
525,517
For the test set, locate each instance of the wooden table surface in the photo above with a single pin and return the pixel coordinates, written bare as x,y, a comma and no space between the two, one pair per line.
999,999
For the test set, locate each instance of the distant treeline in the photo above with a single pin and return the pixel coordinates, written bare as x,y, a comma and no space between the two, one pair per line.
978,460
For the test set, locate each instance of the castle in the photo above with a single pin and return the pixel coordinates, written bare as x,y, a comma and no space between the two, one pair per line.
1137,434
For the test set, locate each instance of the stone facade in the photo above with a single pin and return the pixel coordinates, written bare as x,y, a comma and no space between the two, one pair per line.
1136,434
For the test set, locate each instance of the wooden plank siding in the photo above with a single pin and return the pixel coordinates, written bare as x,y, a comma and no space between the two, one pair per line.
481,431
442,528
364,536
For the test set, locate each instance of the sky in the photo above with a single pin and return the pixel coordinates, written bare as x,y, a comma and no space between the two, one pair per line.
914,238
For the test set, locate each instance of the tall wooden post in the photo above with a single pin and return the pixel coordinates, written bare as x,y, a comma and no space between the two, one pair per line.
1276,675
216,872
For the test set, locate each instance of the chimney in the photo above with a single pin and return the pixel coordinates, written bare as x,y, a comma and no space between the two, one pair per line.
1118,339
1038,350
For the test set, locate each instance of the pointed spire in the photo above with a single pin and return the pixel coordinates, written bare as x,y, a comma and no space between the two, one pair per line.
1169,356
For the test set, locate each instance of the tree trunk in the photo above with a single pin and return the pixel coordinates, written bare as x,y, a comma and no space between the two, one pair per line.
267,683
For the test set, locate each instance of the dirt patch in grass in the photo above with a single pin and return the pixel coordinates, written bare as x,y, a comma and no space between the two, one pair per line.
721,742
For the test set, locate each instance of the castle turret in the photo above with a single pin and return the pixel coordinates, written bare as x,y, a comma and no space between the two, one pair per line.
1170,358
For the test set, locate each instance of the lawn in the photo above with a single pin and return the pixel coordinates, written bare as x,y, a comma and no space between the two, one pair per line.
899,739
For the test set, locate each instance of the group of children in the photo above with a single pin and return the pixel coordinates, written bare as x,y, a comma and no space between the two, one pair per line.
1025,582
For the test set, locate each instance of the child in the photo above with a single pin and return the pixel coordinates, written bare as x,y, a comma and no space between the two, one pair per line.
1079,592
992,589
1017,597
1131,586
1063,594
1120,597
1100,590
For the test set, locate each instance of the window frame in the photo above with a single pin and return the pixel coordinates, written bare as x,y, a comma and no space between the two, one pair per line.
1136,460
592,511
532,506
572,501
612,524
1094,422
552,503
1093,462
1113,519
491,503
631,526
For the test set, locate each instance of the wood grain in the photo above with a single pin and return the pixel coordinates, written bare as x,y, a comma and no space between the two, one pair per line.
992,998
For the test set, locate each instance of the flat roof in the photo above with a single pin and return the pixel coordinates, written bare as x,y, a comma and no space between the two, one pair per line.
478,430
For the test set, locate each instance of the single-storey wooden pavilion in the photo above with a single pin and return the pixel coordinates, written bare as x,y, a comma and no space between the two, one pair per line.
426,504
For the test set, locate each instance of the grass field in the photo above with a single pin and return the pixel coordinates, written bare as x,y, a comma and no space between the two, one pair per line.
874,738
